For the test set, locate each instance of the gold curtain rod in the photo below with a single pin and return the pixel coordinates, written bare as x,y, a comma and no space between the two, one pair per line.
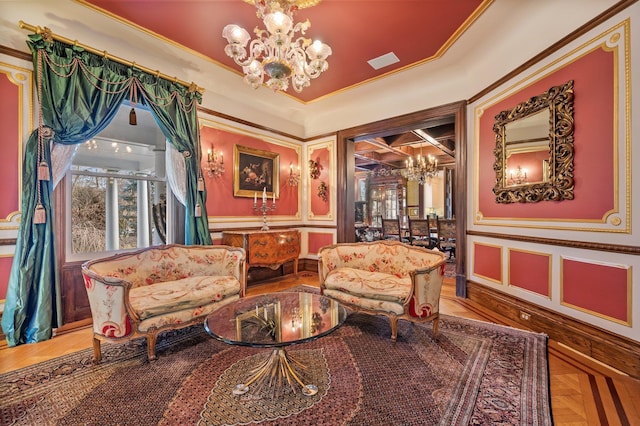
47,33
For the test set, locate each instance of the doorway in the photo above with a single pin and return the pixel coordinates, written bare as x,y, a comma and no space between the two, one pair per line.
345,150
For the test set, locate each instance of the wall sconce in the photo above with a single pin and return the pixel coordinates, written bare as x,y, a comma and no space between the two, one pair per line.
294,175
314,169
215,163
322,191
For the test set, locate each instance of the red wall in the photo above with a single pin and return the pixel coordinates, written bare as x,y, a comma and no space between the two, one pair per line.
220,199
530,271
318,240
593,142
5,270
9,146
601,289
487,261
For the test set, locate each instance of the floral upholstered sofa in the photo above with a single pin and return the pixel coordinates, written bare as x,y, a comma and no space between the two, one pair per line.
160,288
384,278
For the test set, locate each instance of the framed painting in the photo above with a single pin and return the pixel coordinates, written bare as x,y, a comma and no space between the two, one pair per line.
254,170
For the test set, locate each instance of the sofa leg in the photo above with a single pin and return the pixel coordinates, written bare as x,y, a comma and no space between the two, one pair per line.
151,346
436,323
394,327
97,355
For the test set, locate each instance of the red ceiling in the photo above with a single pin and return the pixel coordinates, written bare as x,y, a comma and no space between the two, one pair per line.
356,31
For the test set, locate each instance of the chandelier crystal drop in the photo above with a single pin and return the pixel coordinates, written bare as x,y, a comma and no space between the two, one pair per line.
422,169
275,52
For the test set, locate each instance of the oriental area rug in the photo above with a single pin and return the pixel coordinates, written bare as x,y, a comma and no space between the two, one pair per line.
470,373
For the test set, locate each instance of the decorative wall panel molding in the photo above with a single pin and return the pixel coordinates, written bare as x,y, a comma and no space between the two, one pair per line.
601,70
16,110
321,198
529,270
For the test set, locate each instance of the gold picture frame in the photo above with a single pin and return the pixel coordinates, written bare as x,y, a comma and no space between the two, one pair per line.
254,170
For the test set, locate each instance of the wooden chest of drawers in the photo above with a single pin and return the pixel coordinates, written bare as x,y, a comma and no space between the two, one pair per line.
269,249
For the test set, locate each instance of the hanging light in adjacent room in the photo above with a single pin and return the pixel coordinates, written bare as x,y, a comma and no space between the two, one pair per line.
421,169
275,52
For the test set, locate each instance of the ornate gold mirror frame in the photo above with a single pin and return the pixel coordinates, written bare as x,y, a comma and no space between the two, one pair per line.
557,182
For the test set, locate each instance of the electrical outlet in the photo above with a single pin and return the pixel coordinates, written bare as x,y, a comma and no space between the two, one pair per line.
525,316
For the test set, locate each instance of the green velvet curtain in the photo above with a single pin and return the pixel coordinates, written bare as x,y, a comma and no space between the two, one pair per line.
79,94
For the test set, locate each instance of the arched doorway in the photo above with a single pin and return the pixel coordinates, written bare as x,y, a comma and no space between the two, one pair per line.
346,170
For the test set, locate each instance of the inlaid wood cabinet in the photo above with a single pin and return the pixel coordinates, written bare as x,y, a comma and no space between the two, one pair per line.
269,249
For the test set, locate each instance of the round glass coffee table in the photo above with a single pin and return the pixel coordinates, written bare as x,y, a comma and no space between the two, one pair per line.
276,321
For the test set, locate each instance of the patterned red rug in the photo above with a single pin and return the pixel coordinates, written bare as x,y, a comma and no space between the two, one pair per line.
471,373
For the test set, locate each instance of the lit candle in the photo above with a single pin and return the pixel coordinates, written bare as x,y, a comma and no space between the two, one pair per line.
255,198
264,195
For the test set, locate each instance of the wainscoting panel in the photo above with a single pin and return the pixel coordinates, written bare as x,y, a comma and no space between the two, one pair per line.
75,303
600,289
5,270
318,240
487,261
530,271
615,350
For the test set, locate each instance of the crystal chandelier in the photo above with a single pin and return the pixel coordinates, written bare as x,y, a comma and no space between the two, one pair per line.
275,52
421,169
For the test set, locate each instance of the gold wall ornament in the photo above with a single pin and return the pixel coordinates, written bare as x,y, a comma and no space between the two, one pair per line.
315,168
322,191
555,180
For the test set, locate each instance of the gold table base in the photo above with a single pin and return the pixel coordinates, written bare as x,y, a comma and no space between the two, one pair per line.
278,370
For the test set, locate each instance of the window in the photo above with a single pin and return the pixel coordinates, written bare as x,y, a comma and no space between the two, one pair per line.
116,189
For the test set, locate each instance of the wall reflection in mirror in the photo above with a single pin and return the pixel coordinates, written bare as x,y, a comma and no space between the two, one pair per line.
534,148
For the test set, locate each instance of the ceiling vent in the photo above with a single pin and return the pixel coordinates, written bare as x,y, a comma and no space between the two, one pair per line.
383,61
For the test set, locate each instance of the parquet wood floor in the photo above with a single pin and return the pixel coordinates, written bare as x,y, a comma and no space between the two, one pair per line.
583,391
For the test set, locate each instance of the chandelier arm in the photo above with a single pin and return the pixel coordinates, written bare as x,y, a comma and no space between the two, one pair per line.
276,53
257,48
302,27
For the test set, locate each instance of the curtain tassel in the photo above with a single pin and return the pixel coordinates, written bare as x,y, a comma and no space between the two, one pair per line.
43,171
198,211
200,184
132,117
39,214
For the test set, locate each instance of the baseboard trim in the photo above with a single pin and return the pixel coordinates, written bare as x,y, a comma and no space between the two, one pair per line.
617,351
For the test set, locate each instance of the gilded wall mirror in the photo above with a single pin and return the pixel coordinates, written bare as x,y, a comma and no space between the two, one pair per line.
534,149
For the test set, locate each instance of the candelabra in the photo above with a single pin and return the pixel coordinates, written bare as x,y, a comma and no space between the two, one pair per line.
264,208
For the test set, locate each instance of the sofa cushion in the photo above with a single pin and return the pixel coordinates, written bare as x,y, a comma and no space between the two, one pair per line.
171,319
364,303
186,293
369,285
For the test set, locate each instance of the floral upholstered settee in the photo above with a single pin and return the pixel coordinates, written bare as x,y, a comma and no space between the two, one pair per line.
384,278
148,291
